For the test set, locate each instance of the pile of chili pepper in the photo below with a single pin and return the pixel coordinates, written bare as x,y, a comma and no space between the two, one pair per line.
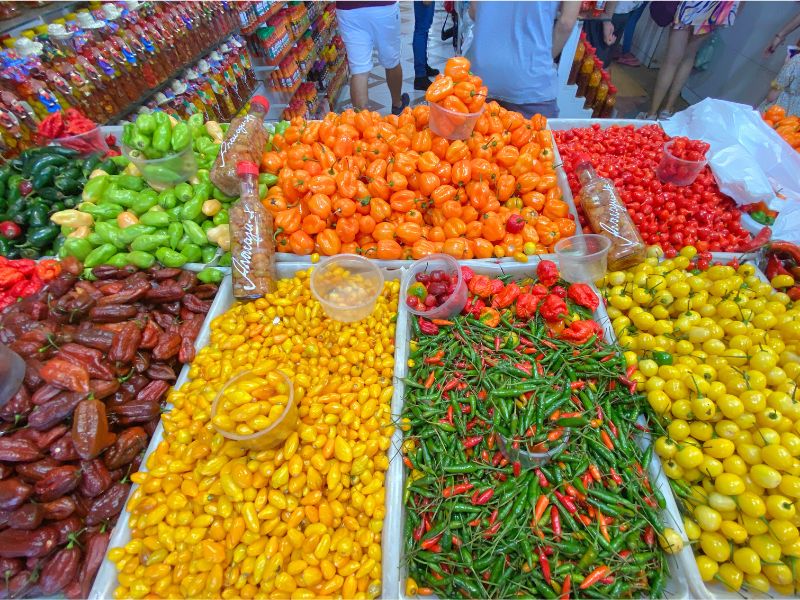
21,278
479,523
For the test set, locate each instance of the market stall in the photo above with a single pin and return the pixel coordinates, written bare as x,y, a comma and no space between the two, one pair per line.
450,353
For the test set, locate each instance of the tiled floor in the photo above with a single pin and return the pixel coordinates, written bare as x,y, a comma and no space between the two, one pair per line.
438,53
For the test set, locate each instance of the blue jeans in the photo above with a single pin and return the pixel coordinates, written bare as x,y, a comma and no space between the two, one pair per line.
423,19
630,27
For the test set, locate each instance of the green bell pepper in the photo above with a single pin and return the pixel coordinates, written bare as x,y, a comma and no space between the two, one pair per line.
192,252
181,137
192,209
167,199
183,192
145,123
147,199
161,137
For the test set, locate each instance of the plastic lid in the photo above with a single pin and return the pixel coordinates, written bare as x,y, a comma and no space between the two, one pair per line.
260,101
245,167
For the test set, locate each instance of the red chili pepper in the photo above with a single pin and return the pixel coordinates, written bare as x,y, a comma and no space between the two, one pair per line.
630,371
583,295
429,380
466,409
517,468
524,367
427,521
555,523
455,490
502,477
407,462
607,580
586,479
419,531
650,501
607,357
498,342
456,541
565,587
577,385
649,535
482,394
436,359
572,492
474,522
449,385
547,272
595,472
613,429
539,369
471,442
566,502
606,440
430,543
493,516
450,414
615,476
584,519
542,479
498,456
545,565
492,530
480,498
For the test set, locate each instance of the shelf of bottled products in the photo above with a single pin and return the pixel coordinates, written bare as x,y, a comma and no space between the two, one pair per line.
30,17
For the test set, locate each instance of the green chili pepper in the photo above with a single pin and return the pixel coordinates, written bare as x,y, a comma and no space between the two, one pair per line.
118,260
192,253
77,247
99,255
116,195
145,123
195,233
134,231
170,258
181,137
209,253
221,218
149,243
225,260
155,218
183,192
95,188
147,200
161,137
661,357
167,199
130,182
143,260
210,275
192,209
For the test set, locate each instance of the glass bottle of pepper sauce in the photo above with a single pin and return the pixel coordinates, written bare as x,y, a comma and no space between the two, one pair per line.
252,246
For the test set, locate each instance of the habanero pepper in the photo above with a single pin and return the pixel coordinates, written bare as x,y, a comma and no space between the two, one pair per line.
583,295
553,308
547,272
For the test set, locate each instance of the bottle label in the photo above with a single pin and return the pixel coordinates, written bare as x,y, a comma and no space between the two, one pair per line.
251,242
230,140
215,86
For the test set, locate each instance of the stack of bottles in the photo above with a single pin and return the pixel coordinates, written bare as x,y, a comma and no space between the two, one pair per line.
293,68
305,103
593,82
253,13
218,86
102,62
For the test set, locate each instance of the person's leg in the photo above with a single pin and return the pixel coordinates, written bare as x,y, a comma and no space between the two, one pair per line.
358,42
684,69
630,28
359,95
676,46
423,19
619,21
386,35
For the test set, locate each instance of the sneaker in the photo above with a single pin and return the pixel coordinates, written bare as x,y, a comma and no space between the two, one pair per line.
663,115
421,83
431,72
405,100
643,116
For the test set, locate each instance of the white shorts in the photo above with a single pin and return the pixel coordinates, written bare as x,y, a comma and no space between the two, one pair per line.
365,28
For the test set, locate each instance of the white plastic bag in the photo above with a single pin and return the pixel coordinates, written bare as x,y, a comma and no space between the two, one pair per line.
750,161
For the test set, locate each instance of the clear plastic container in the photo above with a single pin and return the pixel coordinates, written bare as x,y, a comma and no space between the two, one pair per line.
12,372
677,171
441,262
452,125
163,173
273,435
583,258
347,286
85,143
531,460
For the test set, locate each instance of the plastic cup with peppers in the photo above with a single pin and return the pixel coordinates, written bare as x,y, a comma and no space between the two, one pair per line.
435,287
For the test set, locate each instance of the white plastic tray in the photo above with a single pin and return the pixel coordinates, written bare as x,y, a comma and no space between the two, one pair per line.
677,585
698,587
106,581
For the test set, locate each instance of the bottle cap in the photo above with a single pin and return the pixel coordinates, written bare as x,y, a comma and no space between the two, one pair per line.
245,167
261,101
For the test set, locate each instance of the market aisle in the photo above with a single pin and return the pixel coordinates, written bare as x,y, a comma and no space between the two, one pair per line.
438,53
